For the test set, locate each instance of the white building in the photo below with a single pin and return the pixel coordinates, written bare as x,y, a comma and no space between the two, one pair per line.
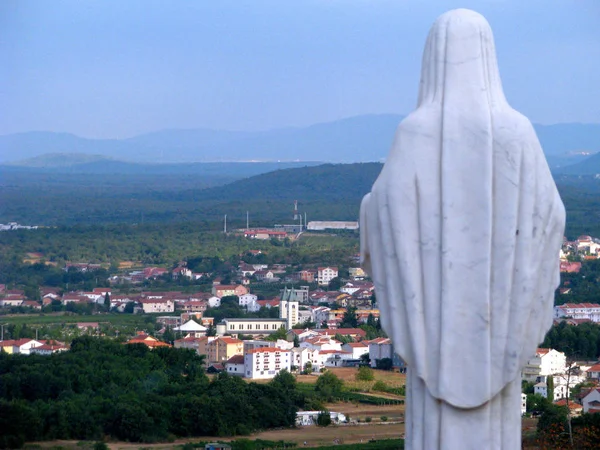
214,301
235,365
246,300
589,311
546,362
301,356
22,346
158,305
264,363
560,388
250,326
307,418
591,402
326,274
321,343
380,348
357,349
316,225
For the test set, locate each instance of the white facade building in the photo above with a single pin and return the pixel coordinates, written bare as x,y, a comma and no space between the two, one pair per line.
264,363
589,311
157,305
591,402
546,362
246,300
302,356
326,274
380,348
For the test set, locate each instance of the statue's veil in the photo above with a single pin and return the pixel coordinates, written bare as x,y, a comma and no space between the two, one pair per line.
461,229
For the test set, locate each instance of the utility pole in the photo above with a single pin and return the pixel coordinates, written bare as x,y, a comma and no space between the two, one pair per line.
247,221
225,224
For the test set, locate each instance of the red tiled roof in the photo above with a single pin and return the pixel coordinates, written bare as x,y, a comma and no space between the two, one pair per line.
229,340
236,359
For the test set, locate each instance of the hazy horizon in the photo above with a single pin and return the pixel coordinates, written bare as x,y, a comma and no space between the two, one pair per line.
105,69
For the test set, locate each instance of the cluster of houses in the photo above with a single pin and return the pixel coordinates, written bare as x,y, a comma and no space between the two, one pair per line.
32,346
549,363
262,359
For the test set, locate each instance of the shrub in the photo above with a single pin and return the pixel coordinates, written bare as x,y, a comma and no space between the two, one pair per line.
368,419
384,418
365,374
324,419
380,386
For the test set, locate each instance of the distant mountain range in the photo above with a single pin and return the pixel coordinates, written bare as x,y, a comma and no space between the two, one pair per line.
356,139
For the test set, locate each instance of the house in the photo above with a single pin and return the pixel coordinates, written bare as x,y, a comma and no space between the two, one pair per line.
199,344
247,300
308,275
49,348
570,267
192,328
560,389
264,363
356,273
235,365
326,274
31,304
223,348
357,349
265,276
157,305
223,290
196,306
273,303
147,340
576,408
589,311
12,300
304,357
334,358
355,333
74,297
591,402
299,295
214,301
593,372
302,334
181,272
22,346
380,348
546,361
321,343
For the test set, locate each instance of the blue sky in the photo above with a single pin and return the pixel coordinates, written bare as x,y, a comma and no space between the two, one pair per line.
115,68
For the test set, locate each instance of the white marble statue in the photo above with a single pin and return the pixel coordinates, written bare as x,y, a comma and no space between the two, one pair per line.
461,234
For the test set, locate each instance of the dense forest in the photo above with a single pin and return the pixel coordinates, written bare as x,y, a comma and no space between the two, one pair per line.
128,392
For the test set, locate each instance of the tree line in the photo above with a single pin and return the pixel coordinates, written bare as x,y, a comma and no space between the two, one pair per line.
128,392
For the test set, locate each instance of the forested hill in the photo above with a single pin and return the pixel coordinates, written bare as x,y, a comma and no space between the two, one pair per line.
325,182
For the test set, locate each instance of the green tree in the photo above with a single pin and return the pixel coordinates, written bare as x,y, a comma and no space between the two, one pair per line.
324,419
349,320
365,374
296,341
329,386
550,388
107,301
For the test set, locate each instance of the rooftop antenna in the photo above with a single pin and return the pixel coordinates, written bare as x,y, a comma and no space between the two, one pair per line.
225,224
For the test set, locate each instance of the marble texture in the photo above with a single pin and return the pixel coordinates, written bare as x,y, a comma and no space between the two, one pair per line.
461,234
